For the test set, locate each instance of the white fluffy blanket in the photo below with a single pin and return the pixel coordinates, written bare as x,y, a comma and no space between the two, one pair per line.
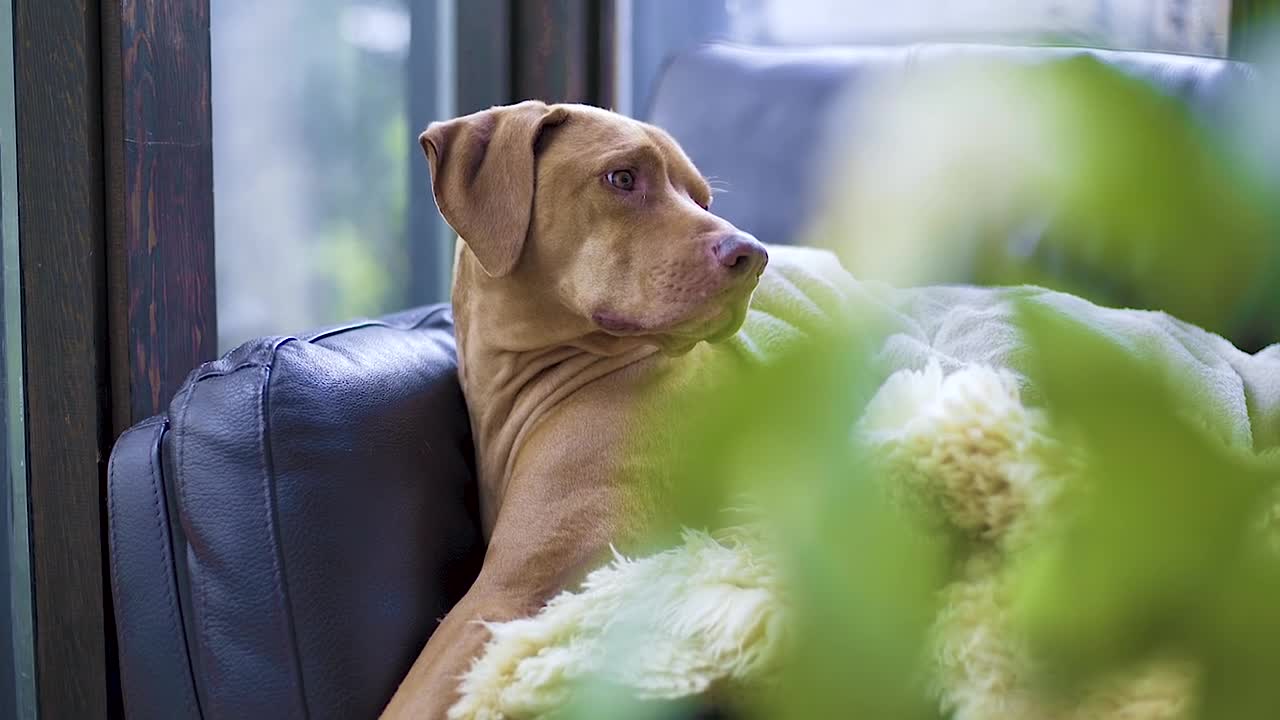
712,613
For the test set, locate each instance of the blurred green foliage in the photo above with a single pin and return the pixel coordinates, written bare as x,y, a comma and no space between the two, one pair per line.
1160,546
356,122
1163,545
869,578
1147,208
312,161
1070,174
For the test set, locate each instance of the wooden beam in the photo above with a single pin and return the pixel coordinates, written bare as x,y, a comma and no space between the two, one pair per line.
61,235
562,51
160,244
484,55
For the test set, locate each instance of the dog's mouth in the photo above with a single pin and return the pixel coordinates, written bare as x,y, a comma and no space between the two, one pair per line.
618,325
713,319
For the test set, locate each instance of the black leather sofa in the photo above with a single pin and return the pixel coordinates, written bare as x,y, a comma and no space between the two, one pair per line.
284,538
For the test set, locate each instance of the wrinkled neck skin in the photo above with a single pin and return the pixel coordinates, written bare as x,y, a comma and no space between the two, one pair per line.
521,352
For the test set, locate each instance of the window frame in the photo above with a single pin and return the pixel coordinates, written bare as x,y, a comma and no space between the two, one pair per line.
62,233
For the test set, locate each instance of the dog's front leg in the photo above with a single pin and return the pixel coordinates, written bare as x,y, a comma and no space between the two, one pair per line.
431,687
573,492
539,546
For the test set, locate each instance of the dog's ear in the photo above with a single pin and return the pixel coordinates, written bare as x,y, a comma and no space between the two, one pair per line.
482,176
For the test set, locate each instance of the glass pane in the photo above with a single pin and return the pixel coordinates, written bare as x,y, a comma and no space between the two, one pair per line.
315,143
17,660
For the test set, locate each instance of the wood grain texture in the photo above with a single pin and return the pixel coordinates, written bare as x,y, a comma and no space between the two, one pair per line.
551,51
160,199
61,229
158,146
604,25
563,51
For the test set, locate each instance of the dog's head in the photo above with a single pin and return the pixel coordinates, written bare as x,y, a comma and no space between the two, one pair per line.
603,214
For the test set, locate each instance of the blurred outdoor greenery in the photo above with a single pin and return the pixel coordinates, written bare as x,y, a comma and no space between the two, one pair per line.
313,151
1161,550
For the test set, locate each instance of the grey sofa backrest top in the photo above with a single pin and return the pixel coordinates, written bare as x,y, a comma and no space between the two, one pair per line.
754,119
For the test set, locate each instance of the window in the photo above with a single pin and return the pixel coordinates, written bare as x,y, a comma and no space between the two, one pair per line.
17,661
317,105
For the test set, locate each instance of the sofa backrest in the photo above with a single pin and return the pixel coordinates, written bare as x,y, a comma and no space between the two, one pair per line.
753,118
285,539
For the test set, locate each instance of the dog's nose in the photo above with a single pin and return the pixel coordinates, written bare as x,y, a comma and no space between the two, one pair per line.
742,253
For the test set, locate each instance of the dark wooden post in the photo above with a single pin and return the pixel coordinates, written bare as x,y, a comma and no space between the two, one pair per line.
57,84
562,51
159,189
115,206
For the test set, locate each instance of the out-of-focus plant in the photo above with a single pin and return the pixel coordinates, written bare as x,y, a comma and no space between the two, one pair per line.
313,152
1160,547
1069,174
1162,551
863,580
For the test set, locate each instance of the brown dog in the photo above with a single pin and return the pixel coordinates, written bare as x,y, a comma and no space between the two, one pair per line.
591,268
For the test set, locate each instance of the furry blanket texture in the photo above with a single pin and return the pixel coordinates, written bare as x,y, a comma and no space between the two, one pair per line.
713,614
955,427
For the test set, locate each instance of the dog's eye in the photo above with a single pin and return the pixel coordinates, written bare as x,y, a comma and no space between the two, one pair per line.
624,180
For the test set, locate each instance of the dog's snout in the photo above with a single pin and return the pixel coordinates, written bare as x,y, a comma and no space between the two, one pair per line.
742,253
